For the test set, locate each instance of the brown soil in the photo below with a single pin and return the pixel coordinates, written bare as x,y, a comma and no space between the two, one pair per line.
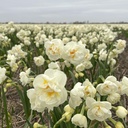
122,69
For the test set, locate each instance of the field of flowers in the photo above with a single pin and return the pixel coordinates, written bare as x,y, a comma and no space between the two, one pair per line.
62,76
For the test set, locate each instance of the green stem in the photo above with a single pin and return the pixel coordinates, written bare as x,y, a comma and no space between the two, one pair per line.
124,123
90,124
1,111
98,97
105,123
5,108
58,122
112,120
102,78
93,124
42,121
115,108
82,110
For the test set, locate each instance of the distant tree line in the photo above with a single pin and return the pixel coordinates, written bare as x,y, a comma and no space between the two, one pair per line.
75,22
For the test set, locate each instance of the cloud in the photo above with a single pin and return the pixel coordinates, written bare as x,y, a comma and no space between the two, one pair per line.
63,10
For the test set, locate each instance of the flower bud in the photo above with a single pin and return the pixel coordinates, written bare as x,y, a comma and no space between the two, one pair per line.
67,63
113,98
9,81
37,125
121,112
48,61
68,113
108,126
119,125
5,89
80,67
81,74
67,108
76,75
8,85
67,116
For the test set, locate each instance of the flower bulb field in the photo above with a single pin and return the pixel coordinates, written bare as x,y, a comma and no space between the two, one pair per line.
63,75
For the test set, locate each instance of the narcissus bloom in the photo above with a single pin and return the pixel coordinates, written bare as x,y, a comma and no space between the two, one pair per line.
2,74
98,110
39,60
89,89
54,49
76,95
54,65
79,120
108,87
49,90
76,53
102,55
102,46
81,91
24,77
113,98
121,44
123,88
11,60
17,52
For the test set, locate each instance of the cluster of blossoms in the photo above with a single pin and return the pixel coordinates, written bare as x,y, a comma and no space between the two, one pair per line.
67,66
14,55
24,36
110,89
4,40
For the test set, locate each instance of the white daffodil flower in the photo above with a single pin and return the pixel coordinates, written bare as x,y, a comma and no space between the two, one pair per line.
89,89
24,77
113,98
121,44
54,49
49,90
123,88
2,74
76,53
54,65
76,95
108,87
98,110
39,60
79,120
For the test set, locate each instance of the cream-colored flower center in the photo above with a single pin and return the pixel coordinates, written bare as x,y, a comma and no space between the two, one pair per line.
45,81
87,56
106,87
98,111
54,49
72,53
50,92
86,91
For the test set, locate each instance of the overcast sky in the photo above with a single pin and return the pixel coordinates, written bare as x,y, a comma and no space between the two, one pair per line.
63,10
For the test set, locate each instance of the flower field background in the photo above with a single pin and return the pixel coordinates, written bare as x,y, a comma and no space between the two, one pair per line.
63,76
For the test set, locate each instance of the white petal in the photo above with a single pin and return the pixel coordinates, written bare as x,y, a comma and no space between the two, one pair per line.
90,101
58,76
